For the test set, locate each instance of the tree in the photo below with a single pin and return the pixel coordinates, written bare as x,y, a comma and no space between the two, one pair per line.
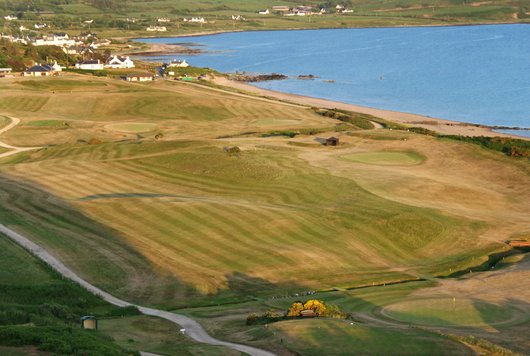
295,309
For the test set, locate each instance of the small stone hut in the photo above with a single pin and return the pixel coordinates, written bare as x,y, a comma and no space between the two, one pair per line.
332,141
89,322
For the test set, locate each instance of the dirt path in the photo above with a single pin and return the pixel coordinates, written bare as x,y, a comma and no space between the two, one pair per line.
193,328
13,149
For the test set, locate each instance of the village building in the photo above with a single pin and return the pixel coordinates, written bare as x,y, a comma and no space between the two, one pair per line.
91,64
10,18
264,12
163,20
14,39
118,62
40,26
195,20
58,39
156,29
139,78
40,70
178,63
4,72
281,8
100,43
332,141
88,22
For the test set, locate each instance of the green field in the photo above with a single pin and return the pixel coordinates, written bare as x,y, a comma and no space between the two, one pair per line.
351,338
110,17
443,312
172,218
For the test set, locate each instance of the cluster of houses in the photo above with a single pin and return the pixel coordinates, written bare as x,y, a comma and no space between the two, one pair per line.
113,62
156,29
195,20
302,10
83,44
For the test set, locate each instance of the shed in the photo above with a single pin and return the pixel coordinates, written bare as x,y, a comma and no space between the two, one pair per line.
332,141
89,322
308,313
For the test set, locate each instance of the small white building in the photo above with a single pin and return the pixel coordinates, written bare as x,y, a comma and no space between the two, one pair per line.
195,20
58,39
40,26
4,72
264,12
139,78
156,29
91,64
39,70
118,62
178,63
163,20
10,18
88,22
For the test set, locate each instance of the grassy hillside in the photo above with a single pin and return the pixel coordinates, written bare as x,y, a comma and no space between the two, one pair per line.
110,16
135,190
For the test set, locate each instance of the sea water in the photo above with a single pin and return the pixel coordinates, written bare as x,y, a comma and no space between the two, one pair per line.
478,74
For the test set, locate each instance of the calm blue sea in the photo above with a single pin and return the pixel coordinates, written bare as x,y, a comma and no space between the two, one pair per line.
478,74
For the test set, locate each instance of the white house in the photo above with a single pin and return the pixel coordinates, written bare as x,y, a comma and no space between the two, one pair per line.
139,78
39,26
163,20
347,11
156,29
58,39
22,28
264,12
92,64
10,18
88,22
180,64
4,72
196,20
40,70
119,62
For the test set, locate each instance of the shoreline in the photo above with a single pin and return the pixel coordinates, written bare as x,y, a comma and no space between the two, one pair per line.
441,126
220,32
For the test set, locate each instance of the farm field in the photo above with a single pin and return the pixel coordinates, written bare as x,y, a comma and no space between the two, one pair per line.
109,18
137,189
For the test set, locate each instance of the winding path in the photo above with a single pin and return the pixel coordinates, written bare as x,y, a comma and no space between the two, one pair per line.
193,328
13,149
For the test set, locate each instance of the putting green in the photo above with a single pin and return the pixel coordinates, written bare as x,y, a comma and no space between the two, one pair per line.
449,312
132,127
275,122
386,158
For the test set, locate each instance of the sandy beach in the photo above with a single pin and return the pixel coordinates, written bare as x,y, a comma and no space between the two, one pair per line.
441,126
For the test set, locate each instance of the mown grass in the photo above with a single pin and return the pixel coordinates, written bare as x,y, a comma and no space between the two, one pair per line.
344,337
37,307
449,312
